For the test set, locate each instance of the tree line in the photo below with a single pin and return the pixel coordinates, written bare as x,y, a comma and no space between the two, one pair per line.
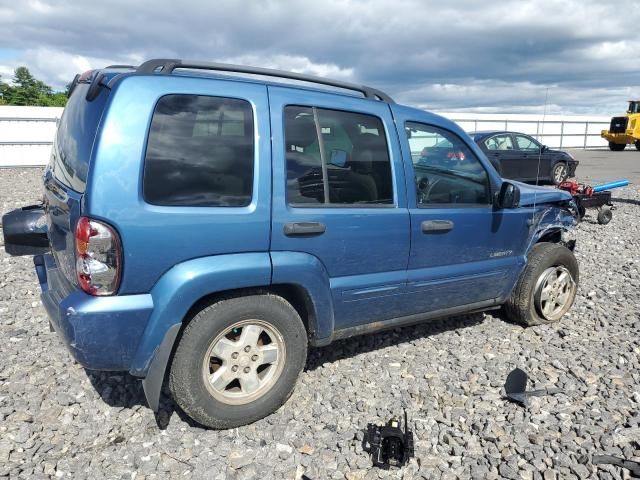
27,90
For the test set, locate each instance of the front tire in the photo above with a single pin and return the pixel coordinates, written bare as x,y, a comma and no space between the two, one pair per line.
547,287
617,147
637,144
238,360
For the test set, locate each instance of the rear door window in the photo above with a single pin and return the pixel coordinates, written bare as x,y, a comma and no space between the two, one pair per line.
526,143
336,157
200,152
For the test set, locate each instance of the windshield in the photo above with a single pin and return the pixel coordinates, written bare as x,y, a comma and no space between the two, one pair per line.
634,107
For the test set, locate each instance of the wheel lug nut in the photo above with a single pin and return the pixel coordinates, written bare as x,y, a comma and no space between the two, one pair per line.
234,368
247,369
234,355
254,358
247,348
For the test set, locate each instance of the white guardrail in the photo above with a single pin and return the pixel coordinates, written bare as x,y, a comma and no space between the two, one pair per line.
26,133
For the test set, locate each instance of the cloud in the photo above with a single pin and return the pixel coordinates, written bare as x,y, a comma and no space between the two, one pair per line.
499,55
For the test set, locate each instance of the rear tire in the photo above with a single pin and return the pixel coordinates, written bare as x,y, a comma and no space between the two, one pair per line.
617,147
637,144
537,292
221,377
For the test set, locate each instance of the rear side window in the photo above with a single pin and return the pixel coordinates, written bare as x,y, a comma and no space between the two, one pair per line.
76,133
336,157
200,152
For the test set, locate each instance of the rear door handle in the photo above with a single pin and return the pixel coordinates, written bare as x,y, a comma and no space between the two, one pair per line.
293,229
429,226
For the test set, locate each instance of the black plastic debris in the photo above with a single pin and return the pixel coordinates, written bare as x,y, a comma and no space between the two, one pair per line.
516,388
388,445
633,467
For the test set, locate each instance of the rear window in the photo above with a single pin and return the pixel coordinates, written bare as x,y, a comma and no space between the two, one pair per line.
71,151
200,152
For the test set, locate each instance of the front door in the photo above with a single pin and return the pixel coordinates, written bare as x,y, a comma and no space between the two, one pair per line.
339,196
464,252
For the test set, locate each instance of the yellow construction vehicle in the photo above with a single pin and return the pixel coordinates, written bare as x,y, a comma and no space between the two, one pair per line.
624,130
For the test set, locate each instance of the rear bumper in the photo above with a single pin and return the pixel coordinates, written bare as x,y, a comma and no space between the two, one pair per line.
102,333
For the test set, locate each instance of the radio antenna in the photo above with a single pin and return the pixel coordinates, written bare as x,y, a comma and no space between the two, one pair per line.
544,117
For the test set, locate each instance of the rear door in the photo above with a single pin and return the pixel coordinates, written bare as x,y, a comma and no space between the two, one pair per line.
338,195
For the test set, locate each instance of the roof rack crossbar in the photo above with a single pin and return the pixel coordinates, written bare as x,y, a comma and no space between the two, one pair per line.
166,66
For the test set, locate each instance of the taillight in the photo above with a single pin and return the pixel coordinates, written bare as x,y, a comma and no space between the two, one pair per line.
98,257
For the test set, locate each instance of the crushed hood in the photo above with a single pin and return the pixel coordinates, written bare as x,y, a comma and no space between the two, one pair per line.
538,194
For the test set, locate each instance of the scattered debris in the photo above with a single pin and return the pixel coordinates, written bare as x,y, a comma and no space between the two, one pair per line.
633,467
388,445
516,385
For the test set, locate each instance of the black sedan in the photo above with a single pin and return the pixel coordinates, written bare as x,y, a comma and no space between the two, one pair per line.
520,157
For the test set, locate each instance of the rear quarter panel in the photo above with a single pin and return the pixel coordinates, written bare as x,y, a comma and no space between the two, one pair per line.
155,238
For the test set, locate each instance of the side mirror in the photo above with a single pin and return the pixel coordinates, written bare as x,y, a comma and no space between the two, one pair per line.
543,148
508,196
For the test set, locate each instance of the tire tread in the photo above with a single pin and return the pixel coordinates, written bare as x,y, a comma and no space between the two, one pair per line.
181,379
519,307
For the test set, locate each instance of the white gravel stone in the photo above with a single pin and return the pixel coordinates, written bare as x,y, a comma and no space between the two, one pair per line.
57,420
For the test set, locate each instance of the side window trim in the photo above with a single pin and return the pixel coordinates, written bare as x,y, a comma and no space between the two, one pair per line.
323,156
489,184
324,161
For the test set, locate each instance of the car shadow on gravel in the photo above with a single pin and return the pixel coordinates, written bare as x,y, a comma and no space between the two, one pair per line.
625,200
122,390
350,347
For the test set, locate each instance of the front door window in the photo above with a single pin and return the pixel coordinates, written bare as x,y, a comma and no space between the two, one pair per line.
446,170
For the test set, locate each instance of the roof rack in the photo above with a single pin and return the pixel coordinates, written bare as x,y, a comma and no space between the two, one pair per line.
122,66
167,66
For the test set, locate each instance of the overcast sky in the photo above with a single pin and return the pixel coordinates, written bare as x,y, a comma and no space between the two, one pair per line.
456,55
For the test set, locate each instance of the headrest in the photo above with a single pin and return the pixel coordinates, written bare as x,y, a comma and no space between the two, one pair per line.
300,130
370,140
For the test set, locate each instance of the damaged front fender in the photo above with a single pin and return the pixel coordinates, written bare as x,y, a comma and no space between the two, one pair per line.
555,223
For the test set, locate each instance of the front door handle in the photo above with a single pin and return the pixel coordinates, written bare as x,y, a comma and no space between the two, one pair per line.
429,226
293,229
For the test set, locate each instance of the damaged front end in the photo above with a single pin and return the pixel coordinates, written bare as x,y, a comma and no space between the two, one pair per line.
554,215
555,223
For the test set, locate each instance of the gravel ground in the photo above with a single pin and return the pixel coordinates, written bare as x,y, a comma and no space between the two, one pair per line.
58,420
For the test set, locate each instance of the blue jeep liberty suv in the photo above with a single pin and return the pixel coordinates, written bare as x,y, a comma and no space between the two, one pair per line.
203,223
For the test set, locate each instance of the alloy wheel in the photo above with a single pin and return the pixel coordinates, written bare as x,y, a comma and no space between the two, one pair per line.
244,362
560,172
554,293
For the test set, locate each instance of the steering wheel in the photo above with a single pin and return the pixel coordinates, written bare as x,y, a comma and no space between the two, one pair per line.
424,187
